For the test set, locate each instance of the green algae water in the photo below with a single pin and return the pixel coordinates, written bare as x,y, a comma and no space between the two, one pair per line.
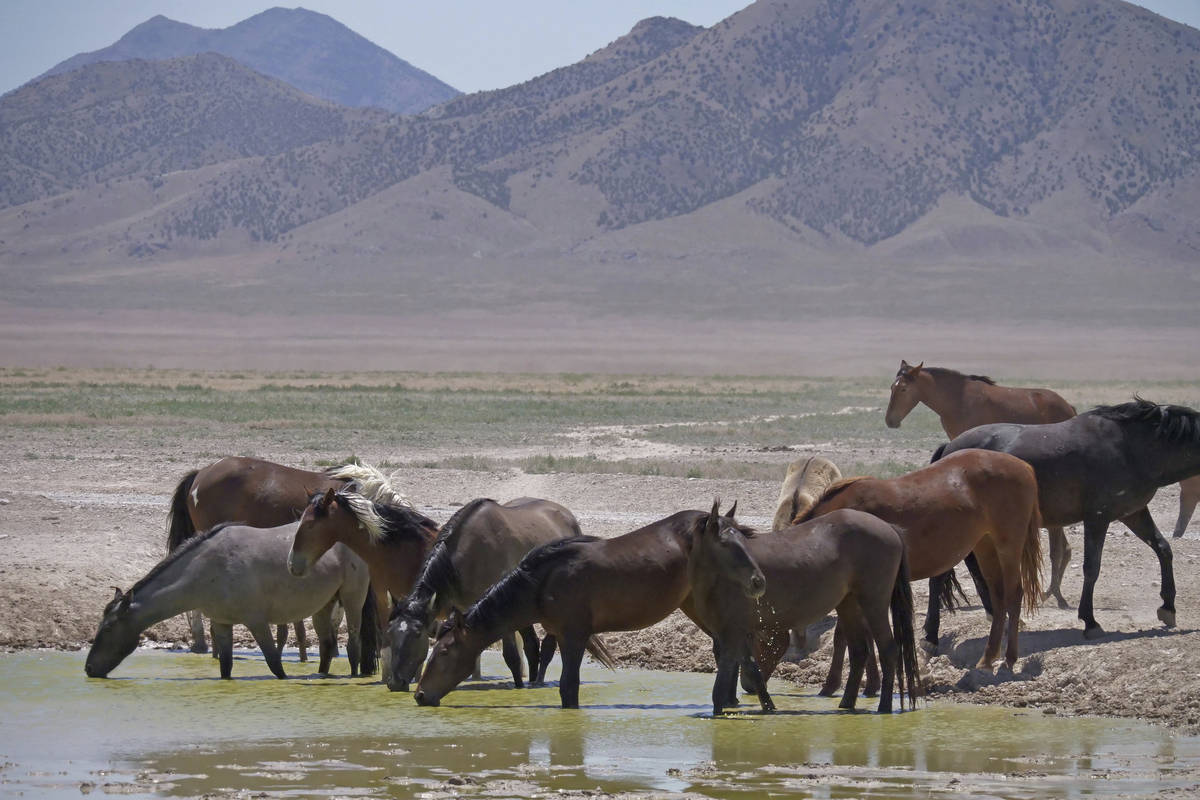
164,725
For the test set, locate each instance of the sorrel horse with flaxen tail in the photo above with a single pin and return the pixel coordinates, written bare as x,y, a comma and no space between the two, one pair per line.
481,542
392,539
238,575
1102,466
261,494
963,402
974,501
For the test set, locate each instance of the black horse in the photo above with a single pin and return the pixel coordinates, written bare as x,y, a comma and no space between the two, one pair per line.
1102,466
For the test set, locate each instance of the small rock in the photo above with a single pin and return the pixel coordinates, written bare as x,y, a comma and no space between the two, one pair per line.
1050,710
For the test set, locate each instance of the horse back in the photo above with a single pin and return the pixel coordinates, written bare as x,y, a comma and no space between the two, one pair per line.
252,491
991,403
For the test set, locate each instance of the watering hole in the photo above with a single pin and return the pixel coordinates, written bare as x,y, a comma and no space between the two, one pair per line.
165,726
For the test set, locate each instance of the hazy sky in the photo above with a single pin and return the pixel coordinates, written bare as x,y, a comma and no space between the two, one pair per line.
470,44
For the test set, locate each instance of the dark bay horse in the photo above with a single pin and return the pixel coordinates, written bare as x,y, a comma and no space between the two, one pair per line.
261,494
723,574
391,539
1101,466
481,542
963,402
575,588
238,575
974,500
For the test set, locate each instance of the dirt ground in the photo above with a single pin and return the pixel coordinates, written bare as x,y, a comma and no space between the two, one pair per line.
81,518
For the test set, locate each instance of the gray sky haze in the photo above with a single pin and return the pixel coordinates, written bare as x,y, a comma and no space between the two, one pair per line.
470,44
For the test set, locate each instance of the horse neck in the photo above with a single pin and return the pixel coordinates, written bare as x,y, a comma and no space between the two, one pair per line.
1166,462
943,393
431,594
503,611
168,594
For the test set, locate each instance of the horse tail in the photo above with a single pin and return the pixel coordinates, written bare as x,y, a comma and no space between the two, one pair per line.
937,454
903,631
950,588
597,650
368,635
1031,563
179,521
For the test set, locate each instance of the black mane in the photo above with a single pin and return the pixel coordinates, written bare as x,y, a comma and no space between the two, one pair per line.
937,372
490,608
187,546
397,522
438,573
1171,423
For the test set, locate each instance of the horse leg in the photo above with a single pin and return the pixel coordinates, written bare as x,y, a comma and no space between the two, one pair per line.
354,621
301,639
222,638
549,645
1189,496
981,587
1094,530
573,646
730,700
833,678
196,623
933,612
998,584
871,688
529,643
750,669
856,643
326,637
877,635
512,657
261,631
1060,557
725,683
1142,525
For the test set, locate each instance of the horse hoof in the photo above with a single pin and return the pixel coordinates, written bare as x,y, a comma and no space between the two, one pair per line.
1167,617
1093,632
827,691
1063,604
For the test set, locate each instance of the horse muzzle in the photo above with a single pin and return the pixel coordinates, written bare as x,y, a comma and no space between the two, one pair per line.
297,565
426,700
757,586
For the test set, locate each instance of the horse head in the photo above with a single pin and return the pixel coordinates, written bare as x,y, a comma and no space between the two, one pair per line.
453,658
905,394
116,638
313,535
407,643
719,551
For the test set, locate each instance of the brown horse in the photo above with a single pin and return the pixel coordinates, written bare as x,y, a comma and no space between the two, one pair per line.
474,549
259,494
393,540
963,402
972,501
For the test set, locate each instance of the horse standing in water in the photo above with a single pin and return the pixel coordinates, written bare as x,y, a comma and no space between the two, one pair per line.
392,539
974,501
238,575
261,494
1101,466
481,542
963,402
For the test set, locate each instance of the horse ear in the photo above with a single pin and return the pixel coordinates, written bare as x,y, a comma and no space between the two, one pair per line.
327,500
119,594
917,368
712,525
732,510
125,598
904,365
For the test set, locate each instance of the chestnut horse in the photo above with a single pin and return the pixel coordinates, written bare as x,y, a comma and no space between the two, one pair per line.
260,494
481,542
1101,466
847,560
975,500
963,402
393,540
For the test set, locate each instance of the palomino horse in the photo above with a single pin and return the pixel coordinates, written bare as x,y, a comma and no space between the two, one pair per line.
975,501
238,575
261,494
392,539
1101,466
474,549
963,402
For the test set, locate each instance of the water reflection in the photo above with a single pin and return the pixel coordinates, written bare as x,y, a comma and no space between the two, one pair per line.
168,727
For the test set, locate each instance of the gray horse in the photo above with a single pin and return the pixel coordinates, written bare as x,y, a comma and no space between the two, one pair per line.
1102,466
236,574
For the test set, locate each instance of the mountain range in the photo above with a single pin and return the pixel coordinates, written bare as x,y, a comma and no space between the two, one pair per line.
1014,158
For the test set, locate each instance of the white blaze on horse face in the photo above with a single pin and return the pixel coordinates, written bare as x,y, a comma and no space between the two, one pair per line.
403,626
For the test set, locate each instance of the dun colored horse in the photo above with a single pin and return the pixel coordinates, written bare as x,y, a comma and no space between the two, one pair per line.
976,501
963,402
392,539
474,549
1102,466
261,494
238,575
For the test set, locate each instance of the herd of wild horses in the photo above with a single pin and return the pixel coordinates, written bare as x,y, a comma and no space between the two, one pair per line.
280,545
